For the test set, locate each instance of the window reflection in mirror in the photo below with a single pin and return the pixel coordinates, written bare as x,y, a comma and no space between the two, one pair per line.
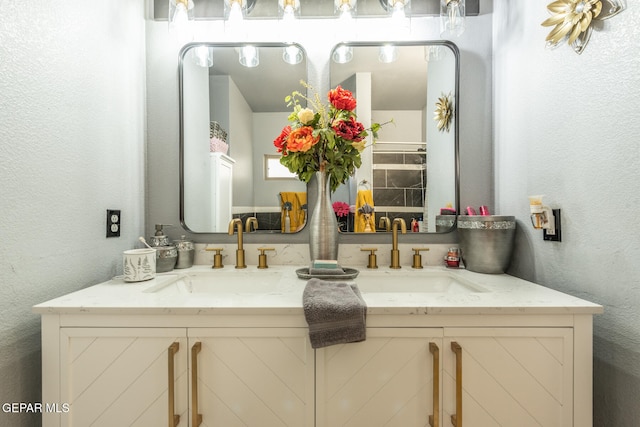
230,114
412,170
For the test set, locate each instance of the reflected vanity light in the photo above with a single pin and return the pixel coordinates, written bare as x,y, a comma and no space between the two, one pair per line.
181,16
342,54
452,17
292,55
203,56
433,53
345,9
248,56
388,53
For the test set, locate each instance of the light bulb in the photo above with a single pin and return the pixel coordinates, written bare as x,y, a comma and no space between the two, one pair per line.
452,17
180,17
343,54
235,14
346,13
204,56
289,13
388,53
249,56
398,11
292,55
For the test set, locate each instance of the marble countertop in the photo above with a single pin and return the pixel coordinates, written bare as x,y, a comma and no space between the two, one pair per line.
461,292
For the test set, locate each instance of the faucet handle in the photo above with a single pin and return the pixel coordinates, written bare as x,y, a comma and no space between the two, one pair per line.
372,257
217,257
251,224
417,258
262,257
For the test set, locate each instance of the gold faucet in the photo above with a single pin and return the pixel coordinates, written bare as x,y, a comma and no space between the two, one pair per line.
384,222
395,253
251,221
236,223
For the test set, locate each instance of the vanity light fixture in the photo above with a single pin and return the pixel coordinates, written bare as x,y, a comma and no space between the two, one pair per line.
235,12
292,55
248,56
342,54
288,10
181,16
345,9
452,17
399,11
388,53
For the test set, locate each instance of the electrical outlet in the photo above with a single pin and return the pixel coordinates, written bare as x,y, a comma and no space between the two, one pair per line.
557,237
113,223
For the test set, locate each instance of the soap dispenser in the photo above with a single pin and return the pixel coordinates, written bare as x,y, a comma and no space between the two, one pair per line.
166,253
159,239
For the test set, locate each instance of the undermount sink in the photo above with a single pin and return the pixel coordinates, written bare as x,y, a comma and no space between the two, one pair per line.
245,281
278,281
414,281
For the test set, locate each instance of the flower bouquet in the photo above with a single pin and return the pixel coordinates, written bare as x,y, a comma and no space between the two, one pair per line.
323,137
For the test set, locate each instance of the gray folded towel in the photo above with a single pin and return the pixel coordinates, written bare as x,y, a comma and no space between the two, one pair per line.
326,271
335,312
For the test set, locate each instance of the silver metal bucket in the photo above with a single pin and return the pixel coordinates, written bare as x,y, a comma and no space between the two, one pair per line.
486,242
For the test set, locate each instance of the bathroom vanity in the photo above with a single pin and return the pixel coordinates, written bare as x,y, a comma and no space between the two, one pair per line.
230,347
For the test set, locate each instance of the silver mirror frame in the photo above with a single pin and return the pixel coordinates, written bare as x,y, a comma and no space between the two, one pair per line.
181,59
372,237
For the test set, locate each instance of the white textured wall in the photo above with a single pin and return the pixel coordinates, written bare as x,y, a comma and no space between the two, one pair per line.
72,111
566,125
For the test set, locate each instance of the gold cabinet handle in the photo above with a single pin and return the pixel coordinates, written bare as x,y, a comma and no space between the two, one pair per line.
196,418
434,420
456,419
174,419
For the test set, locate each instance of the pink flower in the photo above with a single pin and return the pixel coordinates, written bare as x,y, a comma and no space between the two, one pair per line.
341,208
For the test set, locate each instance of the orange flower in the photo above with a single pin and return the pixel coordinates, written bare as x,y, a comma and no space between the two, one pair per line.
301,139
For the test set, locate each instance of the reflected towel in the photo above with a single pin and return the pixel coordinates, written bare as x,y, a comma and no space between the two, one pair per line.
335,312
364,197
297,215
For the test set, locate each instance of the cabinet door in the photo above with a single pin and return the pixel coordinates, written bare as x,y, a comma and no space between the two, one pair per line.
386,380
121,376
510,376
253,377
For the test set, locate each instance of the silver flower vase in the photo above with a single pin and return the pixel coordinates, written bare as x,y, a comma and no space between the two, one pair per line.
323,225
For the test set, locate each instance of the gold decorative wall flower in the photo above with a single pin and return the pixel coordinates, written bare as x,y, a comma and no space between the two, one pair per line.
444,112
572,20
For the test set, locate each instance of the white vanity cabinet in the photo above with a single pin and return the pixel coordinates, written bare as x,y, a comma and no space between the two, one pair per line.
418,376
508,376
120,376
252,377
119,354
181,377
386,380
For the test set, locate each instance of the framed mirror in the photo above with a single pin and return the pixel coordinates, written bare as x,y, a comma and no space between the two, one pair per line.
412,171
232,106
